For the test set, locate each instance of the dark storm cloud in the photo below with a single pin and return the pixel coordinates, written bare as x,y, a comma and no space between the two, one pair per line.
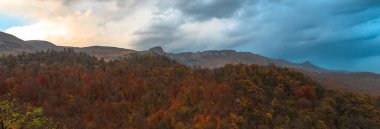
329,33
339,34
353,6
205,9
158,34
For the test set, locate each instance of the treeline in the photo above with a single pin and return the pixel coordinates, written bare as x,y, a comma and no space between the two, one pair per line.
154,92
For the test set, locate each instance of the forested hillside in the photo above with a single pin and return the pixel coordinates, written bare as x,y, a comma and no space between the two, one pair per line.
153,92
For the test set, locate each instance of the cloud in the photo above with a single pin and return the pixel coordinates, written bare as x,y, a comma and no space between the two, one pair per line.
206,9
80,22
177,36
341,34
9,21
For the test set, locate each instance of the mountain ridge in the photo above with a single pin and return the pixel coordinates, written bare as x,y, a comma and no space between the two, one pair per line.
353,81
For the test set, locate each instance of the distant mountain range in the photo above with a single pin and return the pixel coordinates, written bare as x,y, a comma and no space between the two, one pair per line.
353,81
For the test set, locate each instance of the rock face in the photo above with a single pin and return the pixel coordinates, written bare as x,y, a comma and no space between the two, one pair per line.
359,82
157,49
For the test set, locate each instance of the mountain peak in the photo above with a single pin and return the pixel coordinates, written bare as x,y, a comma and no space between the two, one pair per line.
308,63
156,49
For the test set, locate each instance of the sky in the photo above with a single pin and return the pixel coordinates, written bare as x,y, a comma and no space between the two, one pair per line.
334,34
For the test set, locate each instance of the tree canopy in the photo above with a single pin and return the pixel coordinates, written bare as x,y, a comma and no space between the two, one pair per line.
151,91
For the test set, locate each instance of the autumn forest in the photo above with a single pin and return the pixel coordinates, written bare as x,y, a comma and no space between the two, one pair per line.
68,90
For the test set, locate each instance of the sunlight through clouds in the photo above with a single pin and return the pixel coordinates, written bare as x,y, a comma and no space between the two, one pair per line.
38,31
79,23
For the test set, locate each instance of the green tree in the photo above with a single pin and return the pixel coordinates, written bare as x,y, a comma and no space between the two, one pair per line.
15,115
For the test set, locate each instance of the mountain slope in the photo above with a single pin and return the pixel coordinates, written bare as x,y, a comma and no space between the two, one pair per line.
10,43
108,53
38,45
358,82
351,81
154,92
214,59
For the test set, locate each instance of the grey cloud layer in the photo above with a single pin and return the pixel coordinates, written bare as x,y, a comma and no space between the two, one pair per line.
340,34
335,34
